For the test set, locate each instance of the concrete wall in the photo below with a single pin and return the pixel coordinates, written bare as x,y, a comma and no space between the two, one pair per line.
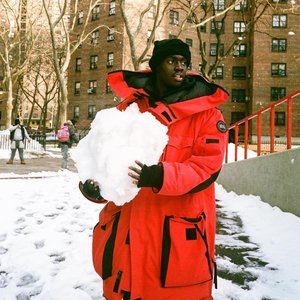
274,177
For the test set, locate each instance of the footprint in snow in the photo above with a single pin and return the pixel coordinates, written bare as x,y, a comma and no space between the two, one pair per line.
3,237
3,250
20,220
26,279
3,279
57,258
39,244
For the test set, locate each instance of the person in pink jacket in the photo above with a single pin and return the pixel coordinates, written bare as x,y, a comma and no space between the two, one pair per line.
161,244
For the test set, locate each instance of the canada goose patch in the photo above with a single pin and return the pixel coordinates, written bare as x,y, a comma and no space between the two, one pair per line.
221,126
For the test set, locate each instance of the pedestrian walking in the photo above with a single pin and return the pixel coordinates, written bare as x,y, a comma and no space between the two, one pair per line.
67,143
18,135
161,244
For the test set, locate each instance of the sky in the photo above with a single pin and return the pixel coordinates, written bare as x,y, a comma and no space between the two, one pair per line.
46,234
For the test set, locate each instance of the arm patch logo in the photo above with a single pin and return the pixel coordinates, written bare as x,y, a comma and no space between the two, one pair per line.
221,126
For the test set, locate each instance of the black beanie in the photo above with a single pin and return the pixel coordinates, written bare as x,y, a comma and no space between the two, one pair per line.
168,47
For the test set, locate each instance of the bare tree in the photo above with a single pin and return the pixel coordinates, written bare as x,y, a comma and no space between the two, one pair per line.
62,26
41,90
201,13
15,48
137,15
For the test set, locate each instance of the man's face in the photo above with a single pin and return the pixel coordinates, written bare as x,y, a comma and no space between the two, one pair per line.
171,72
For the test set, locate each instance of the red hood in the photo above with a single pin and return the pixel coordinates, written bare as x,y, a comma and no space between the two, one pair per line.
195,96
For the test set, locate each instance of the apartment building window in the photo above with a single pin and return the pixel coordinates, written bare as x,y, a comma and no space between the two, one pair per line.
240,50
218,73
279,21
280,118
278,69
110,59
238,73
108,89
217,27
92,87
189,19
96,13
277,93
239,26
78,64
172,36
279,45
203,27
95,37
189,42
111,34
174,17
78,37
148,34
238,95
219,4
76,112
80,18
243,5
151,12
236,116
77,88
214,49
112,8
91,111
93,62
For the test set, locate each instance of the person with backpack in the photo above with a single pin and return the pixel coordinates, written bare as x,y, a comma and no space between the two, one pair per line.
161,244
66,137
18,134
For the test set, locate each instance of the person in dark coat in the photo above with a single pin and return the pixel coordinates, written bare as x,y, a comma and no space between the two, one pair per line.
18,135
65,146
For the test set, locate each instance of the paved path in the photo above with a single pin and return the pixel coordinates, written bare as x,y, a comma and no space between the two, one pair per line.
39,164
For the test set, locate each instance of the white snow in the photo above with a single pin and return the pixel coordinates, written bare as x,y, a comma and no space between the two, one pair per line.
112,146
46,238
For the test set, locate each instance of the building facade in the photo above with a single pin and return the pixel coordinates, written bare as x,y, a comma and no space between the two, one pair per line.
262,67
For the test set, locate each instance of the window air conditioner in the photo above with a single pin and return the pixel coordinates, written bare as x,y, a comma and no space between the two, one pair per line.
110,63
112,11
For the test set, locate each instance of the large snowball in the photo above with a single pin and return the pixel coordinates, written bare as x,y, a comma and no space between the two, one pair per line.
115,141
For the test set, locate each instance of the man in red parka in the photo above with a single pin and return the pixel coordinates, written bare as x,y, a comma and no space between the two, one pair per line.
160,245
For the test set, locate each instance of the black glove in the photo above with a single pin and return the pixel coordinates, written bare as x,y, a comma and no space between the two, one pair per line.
91,192
151,176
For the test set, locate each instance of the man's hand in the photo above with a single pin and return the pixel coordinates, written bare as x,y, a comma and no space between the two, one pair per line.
90,189
136,172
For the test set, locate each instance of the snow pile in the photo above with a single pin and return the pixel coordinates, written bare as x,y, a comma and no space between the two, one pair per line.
115,141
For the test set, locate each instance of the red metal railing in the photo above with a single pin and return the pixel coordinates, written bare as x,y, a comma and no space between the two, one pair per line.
258,116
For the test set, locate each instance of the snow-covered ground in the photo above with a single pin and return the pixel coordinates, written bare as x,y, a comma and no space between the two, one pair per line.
45,243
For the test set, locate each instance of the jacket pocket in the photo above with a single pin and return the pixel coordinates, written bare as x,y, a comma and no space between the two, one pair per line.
178,147
104,237
185,255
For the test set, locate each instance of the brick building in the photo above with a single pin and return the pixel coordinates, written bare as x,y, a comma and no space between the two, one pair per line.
262,68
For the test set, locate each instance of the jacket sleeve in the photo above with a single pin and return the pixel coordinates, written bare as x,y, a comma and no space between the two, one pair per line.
201,168
73,136
11,128
26,134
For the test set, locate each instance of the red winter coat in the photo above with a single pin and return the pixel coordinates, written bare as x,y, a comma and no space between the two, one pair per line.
161,244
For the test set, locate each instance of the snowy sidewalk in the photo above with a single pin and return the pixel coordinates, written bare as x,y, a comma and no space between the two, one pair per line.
33,165
45,243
